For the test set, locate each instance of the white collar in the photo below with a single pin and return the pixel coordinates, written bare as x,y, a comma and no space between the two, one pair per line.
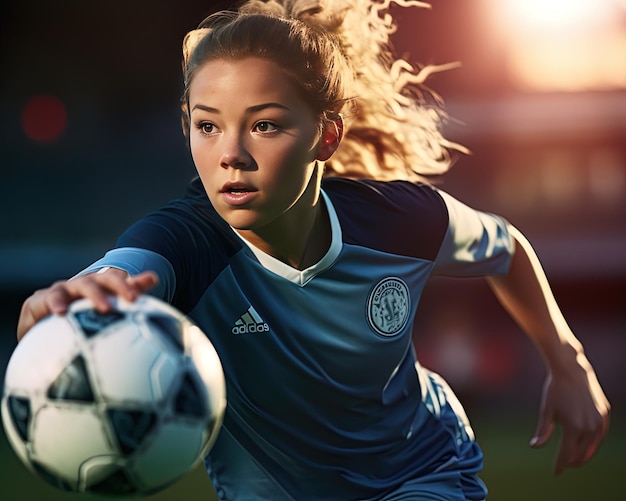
302,277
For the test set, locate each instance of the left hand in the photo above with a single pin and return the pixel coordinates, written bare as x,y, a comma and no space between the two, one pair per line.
573,399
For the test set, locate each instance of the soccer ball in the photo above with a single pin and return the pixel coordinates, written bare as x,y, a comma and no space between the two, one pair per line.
122,403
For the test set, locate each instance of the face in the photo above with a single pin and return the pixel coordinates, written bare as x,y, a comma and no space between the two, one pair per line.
254,141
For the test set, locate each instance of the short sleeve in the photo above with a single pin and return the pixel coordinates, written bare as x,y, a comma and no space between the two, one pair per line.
134,261
475,244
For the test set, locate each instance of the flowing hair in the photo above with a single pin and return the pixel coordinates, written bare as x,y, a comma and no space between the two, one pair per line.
339,53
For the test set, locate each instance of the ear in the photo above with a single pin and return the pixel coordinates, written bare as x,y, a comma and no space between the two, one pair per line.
332,134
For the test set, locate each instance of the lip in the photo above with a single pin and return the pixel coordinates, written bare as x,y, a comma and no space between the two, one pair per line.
237,194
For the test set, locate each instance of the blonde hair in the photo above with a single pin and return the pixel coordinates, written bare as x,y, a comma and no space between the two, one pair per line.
339,53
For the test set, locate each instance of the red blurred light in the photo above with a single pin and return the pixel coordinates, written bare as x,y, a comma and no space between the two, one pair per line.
44,118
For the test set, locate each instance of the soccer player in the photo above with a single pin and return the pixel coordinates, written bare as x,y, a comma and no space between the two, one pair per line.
302,250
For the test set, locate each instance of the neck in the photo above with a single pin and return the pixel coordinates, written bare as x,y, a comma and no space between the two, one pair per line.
302,236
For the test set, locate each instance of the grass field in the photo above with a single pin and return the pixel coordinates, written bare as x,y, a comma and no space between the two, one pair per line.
515,472
512,471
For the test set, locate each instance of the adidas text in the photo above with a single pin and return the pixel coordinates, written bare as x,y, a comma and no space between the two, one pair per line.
250,328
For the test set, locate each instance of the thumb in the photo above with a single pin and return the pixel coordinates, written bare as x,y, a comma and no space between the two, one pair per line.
543,432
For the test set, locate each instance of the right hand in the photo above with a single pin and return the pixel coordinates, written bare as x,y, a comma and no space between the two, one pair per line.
94,286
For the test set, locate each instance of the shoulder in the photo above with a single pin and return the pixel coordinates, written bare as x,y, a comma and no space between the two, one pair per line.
385,193
392,216
191,217
187,232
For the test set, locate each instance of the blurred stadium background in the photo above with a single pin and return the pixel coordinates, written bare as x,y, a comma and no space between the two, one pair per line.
90,141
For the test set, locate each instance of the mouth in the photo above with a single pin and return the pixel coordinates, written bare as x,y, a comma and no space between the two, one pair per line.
238,194
236,188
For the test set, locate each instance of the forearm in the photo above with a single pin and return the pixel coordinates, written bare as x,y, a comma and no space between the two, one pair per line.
526,294
572,395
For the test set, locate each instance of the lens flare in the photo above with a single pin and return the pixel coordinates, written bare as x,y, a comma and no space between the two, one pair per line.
44,118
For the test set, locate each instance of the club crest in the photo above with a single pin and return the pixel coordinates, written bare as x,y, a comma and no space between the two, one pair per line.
388,306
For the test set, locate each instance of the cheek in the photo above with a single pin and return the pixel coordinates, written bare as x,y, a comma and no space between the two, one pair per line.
194,147
304,153
200,155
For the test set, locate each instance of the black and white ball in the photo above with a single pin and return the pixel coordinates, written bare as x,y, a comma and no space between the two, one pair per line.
123,403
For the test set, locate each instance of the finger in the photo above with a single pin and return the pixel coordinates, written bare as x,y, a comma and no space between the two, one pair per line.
577,447
116,282
101,285
57,298
119,283
25,322
144,281
565,454
590,442
39,305
28,317
543,432
95,288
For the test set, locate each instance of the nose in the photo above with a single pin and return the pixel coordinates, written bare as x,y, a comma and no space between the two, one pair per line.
234,154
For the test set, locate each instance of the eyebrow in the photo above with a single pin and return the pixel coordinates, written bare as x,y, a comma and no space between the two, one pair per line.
251,109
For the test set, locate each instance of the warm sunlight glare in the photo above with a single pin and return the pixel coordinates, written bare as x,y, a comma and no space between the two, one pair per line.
555,14
563,45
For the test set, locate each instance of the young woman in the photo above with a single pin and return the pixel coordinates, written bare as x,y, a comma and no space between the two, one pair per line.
302,250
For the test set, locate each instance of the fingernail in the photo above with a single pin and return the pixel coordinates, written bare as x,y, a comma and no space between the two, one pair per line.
533,441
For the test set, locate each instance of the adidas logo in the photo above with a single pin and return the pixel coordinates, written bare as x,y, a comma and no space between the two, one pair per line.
250,322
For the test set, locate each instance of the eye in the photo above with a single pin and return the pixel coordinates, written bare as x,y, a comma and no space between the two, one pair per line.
264,127
206,128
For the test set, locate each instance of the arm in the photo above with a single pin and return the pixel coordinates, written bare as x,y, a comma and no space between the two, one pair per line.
572,396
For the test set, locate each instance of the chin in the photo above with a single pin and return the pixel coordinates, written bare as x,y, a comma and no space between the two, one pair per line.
241,221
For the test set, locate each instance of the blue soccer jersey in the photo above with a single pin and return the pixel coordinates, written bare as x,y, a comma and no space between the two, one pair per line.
326,399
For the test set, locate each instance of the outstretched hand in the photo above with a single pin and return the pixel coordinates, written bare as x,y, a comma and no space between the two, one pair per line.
94,286
574,400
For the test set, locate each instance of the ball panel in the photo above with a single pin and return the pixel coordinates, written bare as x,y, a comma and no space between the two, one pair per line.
174,451
106,475
36,351
65,436
73,383
163,376
51,478
12,434
171,328
92,322
131,427
18,411
117,483
122,362
209,368
189,399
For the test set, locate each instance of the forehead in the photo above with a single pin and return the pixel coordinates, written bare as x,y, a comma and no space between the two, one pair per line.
244,81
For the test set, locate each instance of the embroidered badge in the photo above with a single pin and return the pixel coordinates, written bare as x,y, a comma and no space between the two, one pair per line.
388,306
